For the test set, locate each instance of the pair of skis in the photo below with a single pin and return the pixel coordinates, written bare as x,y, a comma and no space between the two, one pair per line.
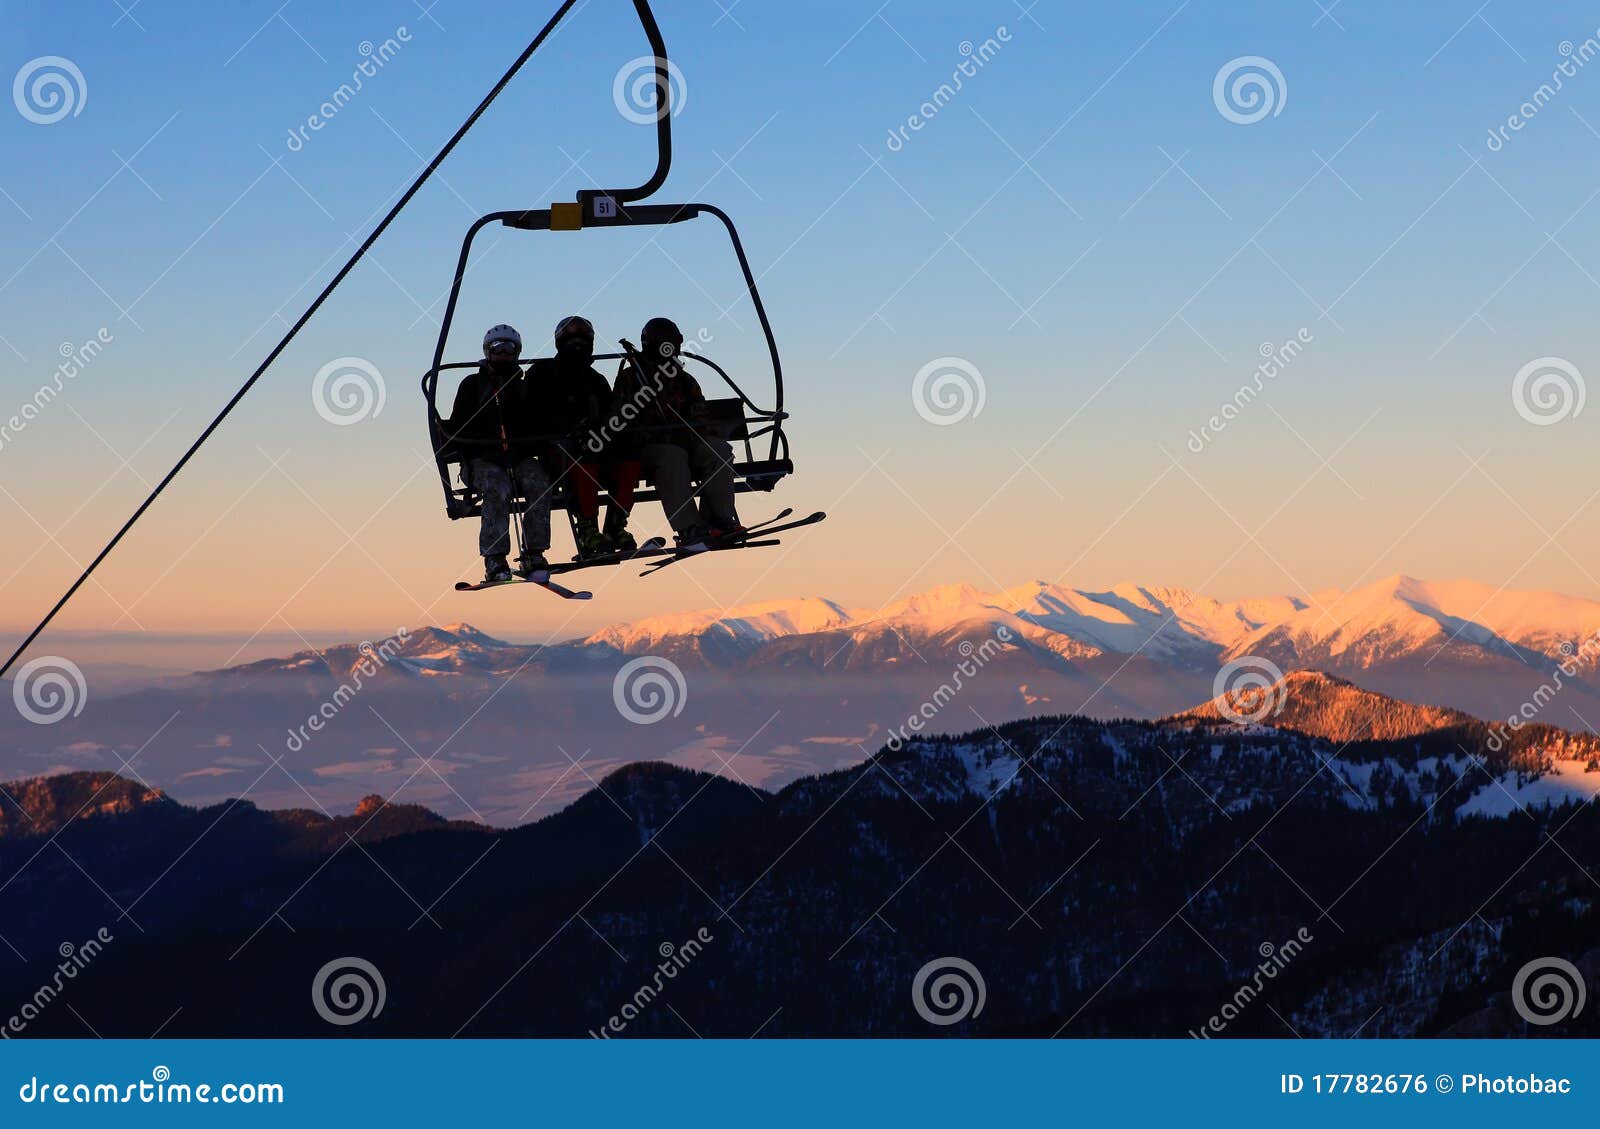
544,578
753,537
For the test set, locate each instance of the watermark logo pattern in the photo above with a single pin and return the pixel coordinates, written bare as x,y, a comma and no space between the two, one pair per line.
348,391
50,89
348,990
50,689
1249,89
639,95
649,689
1548,991
948,990
1549,390
1248,690
949,390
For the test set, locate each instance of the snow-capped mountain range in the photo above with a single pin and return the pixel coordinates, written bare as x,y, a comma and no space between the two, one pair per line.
1396,619
1399,621
799,686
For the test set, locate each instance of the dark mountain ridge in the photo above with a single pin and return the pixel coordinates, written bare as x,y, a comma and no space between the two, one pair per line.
1104,877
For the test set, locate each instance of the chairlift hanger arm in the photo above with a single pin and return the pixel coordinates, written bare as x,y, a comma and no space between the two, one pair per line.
636,215
658,48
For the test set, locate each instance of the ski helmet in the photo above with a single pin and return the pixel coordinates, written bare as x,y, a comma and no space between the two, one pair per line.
661,335
574,326
661,329
502,341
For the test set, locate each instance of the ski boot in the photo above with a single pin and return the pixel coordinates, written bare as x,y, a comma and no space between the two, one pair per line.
727,533
696,539
496,570
531,563
590,541
618,539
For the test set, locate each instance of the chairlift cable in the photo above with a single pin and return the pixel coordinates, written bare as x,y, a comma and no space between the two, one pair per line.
311,310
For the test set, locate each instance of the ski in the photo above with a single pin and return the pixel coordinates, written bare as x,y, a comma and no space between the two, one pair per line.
767,529
773,520
654,547
763,531
548,585
676,557
761,527
657,547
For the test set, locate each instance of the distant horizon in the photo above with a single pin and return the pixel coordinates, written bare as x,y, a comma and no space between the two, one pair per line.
277,644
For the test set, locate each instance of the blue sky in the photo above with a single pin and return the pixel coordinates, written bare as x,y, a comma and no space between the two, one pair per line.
1425,281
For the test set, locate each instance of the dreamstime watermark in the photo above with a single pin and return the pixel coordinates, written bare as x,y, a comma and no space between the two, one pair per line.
158,1089
1574,59
674,959
373,60
638,93
1249,690
1274,959
1274,360
650,385
74,360
1248,89
649,689
949,390
348,990
948,990
973,60
1549,390
373,659
348,390
74,959
50,689
1574,658
49,89
973,660
1548,990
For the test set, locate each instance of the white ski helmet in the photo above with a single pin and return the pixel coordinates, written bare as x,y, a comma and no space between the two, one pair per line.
502,340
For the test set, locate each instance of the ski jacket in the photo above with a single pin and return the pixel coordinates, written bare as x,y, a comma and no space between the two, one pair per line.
569,401
489,418
663,406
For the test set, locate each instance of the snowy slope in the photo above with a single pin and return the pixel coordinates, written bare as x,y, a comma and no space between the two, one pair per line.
753,623
1414,639
1165,624
1403,618
1569,781
1393,620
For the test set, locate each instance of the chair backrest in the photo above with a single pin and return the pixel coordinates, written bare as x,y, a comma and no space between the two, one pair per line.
734,419
725,419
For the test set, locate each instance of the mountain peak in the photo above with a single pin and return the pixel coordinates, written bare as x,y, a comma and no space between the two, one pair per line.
1156,594
749,624
1316,679
43,805
935,601
464,630
1319,704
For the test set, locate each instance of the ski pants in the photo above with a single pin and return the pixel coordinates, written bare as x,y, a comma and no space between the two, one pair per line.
499,485
674,468
619,477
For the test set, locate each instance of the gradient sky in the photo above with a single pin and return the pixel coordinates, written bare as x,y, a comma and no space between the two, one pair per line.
1081,224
